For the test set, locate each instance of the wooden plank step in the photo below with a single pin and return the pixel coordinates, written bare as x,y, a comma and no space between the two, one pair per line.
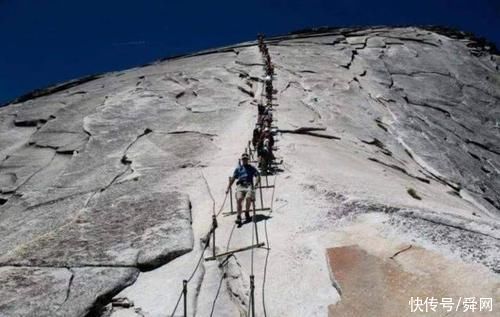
229,213
258,245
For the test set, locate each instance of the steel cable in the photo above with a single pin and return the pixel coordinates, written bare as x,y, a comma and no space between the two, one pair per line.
207,242
268,250
222,277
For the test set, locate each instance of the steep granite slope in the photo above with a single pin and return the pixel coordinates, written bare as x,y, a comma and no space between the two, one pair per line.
390,142
92,178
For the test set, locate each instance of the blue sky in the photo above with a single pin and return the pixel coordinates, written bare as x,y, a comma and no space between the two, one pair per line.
48,41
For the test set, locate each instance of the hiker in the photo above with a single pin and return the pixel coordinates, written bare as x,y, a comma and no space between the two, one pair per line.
245,190
265,149
268,116
269,88
262,155
269,92
261,108
267,134
265,156
256,136
270,69
265,122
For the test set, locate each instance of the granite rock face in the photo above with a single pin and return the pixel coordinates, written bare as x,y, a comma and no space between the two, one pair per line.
142,231
422,96
89,178
37,291
93,173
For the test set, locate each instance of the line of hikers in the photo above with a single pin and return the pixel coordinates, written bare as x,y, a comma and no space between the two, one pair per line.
262,142
263,139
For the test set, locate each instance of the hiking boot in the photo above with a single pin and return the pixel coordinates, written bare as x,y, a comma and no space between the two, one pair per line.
238,220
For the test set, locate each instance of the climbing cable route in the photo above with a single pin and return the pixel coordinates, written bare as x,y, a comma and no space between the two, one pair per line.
260,149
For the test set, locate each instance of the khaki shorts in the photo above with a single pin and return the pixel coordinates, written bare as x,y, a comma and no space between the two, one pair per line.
243,192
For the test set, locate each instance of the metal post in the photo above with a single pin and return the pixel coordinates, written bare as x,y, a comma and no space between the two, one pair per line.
252,297
184,291
255,223
261,198
231,195
214,226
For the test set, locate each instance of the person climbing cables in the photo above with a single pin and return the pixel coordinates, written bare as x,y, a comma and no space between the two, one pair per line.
260,109
267,118
245,189
260,113
265,156
256,136
267,134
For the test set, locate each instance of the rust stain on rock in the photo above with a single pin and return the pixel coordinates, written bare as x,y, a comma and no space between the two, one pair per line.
371,286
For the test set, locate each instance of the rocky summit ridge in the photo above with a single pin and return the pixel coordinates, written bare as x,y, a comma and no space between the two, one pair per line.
389,186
